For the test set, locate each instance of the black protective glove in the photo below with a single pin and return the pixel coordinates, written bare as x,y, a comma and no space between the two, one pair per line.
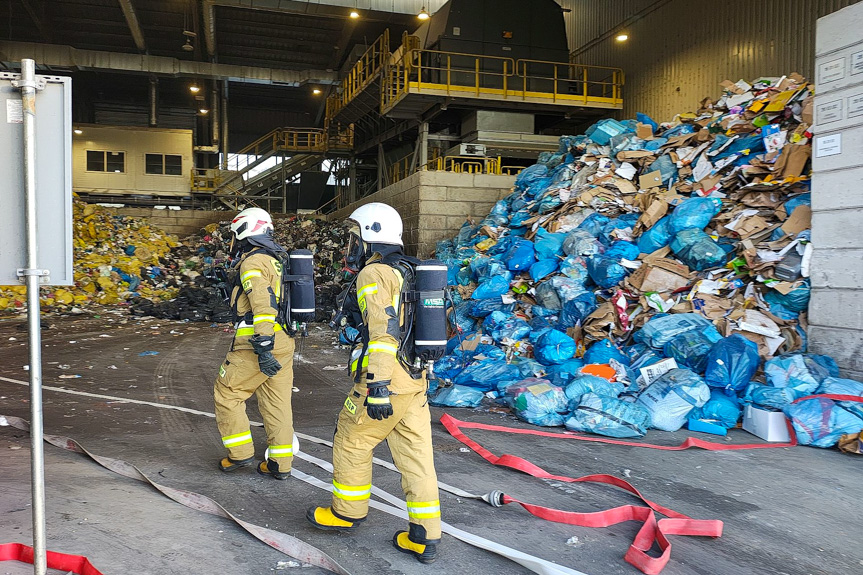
378,400
263,347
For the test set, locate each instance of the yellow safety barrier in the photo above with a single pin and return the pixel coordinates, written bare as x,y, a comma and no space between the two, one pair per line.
364,72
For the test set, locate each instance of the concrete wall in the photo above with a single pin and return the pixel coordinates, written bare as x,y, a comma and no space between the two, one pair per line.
679,51
836,308
135,142
434,205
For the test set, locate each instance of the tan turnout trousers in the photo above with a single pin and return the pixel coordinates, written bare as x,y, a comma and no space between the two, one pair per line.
407,431
240,376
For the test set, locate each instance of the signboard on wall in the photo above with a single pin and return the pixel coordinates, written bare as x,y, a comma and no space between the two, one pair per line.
53,179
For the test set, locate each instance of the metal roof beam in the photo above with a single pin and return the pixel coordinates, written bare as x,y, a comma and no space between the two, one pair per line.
39,18
134,24
11,54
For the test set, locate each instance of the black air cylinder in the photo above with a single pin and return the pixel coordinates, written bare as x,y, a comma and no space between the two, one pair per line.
302,290
430,320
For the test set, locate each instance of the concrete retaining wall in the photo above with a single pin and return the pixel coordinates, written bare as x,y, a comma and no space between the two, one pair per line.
836,307
434,205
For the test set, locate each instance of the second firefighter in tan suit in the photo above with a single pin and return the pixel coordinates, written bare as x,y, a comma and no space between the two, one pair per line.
385,403
261,357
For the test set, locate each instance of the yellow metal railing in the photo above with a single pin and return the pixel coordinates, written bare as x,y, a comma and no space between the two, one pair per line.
436,72
465,165
511,170
400,170
364,72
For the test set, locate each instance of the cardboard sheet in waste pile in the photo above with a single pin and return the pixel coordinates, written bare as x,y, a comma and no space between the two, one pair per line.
639,242
122,260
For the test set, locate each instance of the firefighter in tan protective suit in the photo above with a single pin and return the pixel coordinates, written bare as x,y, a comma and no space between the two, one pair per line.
385,403
261,357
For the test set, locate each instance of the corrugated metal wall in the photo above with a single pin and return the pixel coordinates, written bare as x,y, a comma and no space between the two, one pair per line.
681,50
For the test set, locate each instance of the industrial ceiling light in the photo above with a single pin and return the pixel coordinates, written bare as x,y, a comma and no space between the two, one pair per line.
78,131
622,37
316,91
355,14
423,15
204,111
194,88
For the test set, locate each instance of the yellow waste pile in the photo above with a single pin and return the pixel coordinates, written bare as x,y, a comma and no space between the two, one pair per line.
116,257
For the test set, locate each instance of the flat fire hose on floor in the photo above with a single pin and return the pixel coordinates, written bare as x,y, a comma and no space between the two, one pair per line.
283,542
652,530
287,544
61,561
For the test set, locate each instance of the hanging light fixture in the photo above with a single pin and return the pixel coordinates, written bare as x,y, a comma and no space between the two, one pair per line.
423,15
194,88
355,14
78,131
204,111
622,37
316,91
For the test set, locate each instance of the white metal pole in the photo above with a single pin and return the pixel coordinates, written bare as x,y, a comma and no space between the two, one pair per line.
32,276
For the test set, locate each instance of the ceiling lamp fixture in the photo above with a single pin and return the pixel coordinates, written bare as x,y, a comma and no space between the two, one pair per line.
622,37
423,15
204,111
78,131
194,88
355,14
316,91
188,46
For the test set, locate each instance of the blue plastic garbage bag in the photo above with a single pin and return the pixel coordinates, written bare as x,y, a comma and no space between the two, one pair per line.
575,267
457,396
659,330
796,300
548,245
797,371
606,272
486,374
645,119
604,351
534,336
584,383
796,202
529,368
681,130
502,326
487,350
530,175
690,349
538,310
546,296
608,416
541,404
666,167
622,250
519,218
671,397
543,268
563,373
554,347
484,307
520,255
498,216
656,237
655,144
484,268
575,311
461,318
641,356
593,224
566,288
456,341
721,407
448,367
769,397
731,363
538,324
491,288
826,362
693,213
626,221
820,422
839,386
580,242
752,145
698,250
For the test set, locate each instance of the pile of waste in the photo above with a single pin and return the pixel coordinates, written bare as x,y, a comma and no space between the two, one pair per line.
204,260
651,276
124,260
115,258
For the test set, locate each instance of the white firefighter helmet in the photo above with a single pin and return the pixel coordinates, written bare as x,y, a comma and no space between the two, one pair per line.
251,222
379,224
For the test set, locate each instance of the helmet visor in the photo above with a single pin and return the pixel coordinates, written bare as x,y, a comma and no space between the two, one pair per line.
356,249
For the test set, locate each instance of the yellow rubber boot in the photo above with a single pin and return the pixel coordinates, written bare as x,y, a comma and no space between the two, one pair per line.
415,543
228,464
325,518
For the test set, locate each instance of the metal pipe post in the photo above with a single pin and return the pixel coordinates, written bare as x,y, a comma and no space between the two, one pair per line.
33,275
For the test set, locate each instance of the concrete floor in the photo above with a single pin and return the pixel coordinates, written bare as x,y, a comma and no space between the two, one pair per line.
786,511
